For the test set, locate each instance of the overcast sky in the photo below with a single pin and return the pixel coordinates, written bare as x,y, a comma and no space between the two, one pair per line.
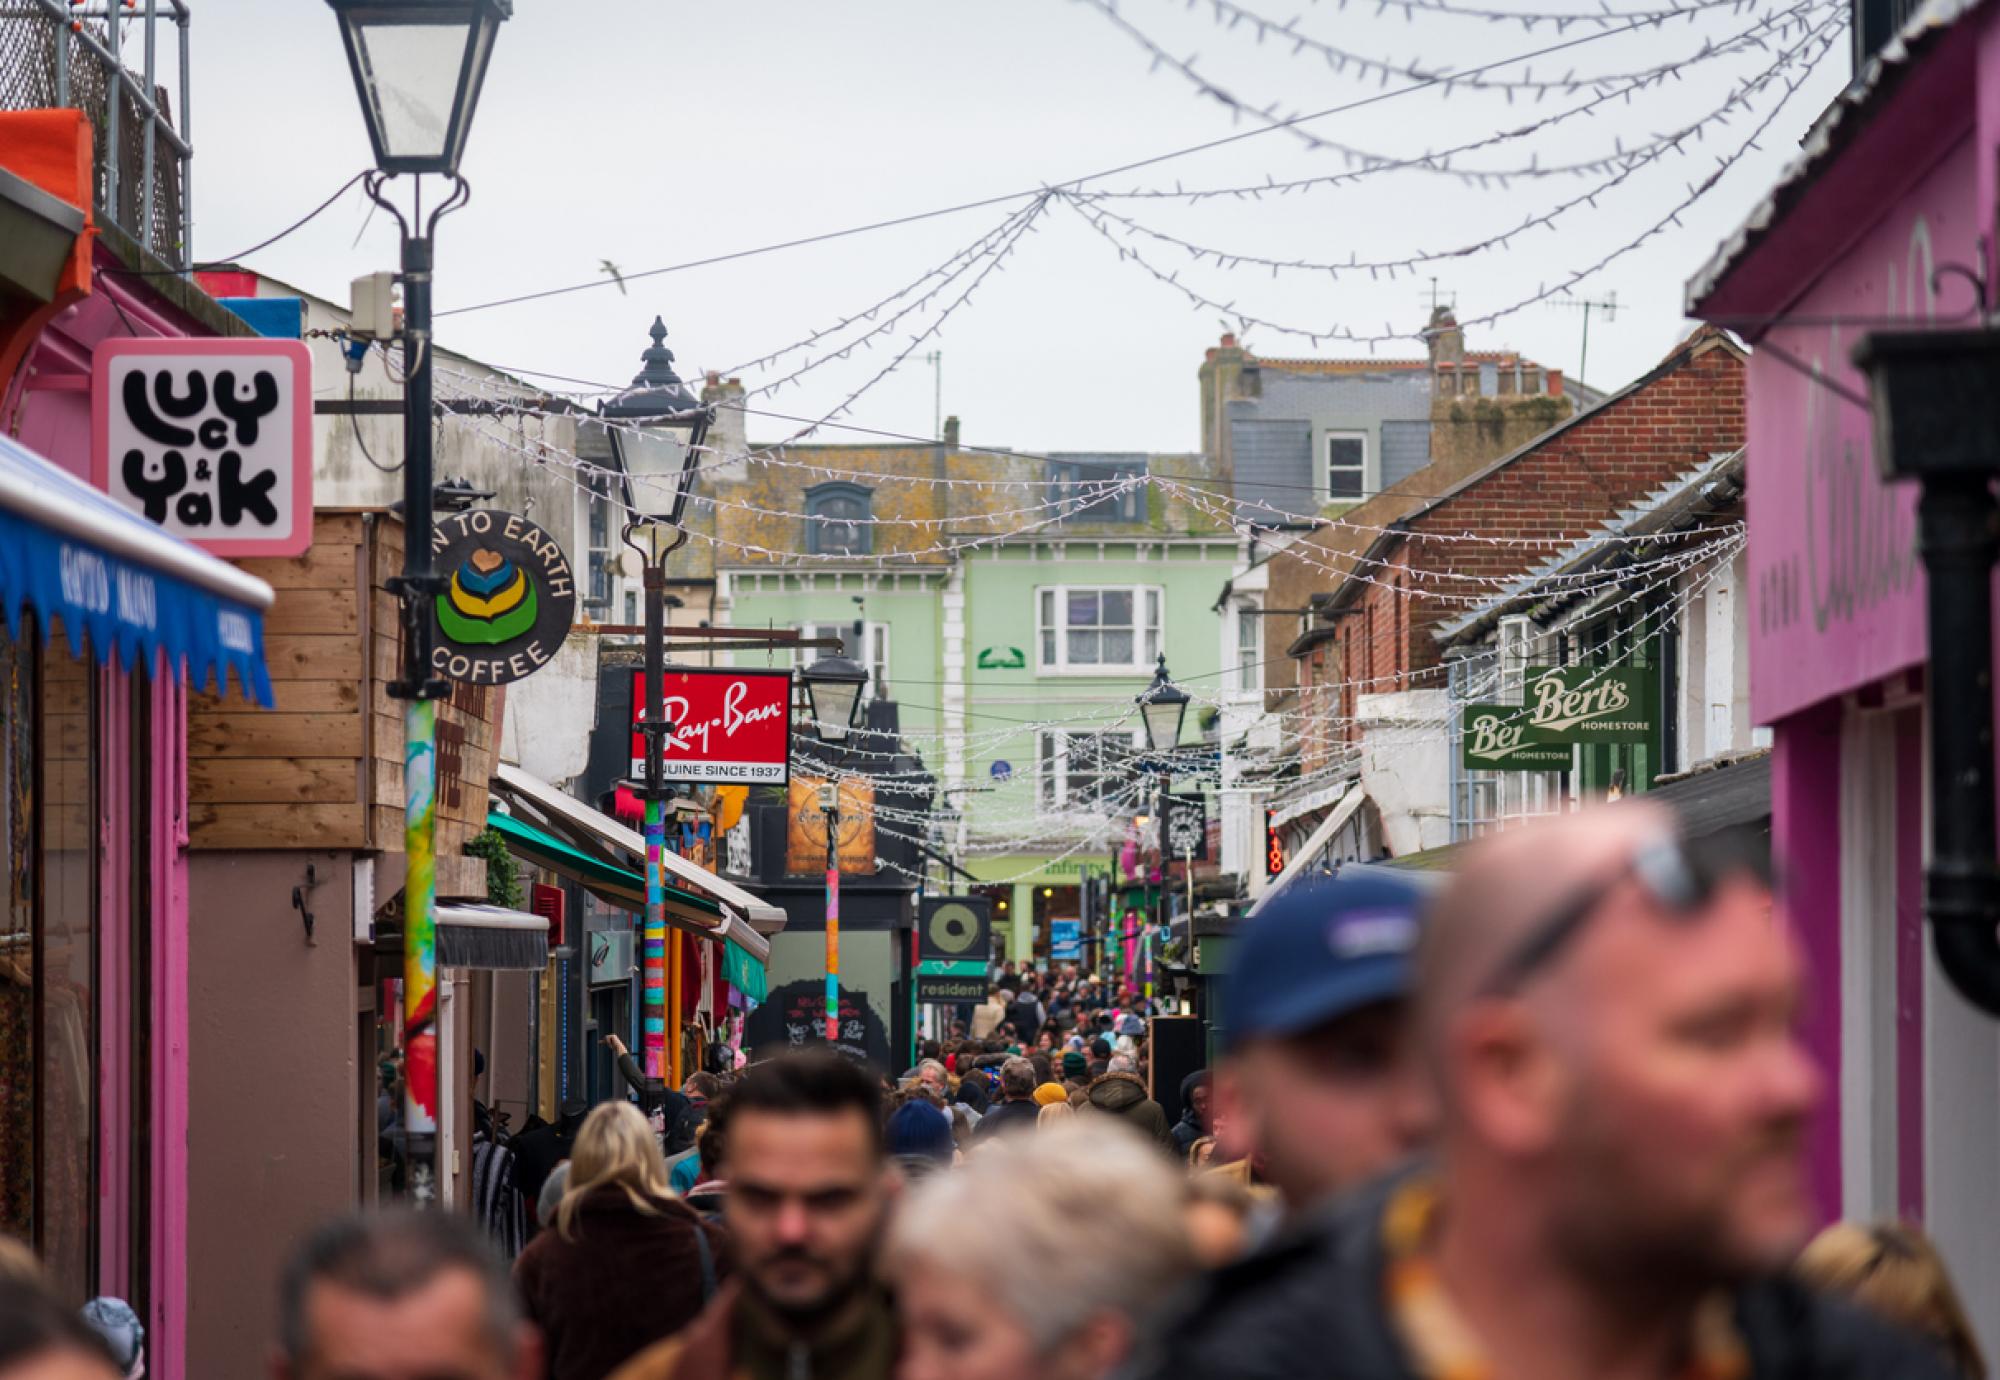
653,132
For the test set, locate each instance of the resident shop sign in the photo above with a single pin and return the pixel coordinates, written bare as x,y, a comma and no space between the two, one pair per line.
211,439
729,727
507,601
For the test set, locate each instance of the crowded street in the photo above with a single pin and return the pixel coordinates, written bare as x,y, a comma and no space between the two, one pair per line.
1089,689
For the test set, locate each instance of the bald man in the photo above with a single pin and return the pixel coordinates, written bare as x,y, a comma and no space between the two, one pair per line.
1607,1017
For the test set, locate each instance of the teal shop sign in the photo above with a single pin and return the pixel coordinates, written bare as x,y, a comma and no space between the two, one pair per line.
1586,704
1494,737
1002,659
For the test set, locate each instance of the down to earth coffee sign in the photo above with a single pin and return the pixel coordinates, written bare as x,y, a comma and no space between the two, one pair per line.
1561,706
211,439
507,599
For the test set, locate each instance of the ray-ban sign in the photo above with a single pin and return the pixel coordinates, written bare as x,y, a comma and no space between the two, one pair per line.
728,727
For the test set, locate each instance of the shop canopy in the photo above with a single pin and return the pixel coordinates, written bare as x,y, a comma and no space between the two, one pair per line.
475,935
596,832
68,551
625,888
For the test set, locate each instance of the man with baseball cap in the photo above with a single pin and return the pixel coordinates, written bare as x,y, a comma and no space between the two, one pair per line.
1318,1085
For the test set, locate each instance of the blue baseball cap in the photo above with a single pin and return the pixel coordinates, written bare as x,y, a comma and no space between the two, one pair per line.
1318,951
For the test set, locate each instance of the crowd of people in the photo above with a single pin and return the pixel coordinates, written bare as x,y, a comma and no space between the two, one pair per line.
1547,1122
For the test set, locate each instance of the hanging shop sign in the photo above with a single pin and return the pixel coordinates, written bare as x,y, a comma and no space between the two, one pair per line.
508,597
1494,737
730,727
211,439
1274,847
1185,828
1066,941
955,929
854,828
1587,704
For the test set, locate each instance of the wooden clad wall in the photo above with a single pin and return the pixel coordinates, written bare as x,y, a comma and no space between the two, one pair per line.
324,767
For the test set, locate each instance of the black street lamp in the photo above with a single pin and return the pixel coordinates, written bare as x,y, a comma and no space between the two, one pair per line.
417,68
1162,707
1935,422
656,428
833,694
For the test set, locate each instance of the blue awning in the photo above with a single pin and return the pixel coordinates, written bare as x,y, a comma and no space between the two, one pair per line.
69,551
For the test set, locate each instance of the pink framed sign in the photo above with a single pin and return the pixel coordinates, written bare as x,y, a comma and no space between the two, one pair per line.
211,439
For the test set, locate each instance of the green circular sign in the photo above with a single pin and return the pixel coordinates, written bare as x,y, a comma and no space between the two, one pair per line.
508,597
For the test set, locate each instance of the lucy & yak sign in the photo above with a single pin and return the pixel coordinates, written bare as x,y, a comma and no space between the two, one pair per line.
210,439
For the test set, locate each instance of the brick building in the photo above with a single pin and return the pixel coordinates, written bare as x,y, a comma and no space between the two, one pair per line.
1371,704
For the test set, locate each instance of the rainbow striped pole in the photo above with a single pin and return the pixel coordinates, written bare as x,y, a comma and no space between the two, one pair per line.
420,1095
830,803
654,962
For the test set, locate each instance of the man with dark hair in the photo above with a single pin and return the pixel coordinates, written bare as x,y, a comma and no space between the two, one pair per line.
1017,1110
809,1190
402,1296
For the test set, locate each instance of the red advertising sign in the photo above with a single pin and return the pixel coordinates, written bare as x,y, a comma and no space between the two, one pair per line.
730,727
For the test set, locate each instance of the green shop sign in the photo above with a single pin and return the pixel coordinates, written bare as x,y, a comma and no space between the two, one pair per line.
1586,704
1495,738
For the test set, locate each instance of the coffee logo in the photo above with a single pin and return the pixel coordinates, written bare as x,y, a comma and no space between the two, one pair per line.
507,601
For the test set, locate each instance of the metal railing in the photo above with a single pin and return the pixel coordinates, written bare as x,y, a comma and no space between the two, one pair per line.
56,54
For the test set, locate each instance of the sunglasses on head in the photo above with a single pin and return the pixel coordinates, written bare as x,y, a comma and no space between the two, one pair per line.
1679,877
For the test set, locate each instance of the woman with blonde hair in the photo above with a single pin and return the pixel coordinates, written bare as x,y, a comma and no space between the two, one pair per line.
1094,1245
1054,1115
1893,1271
624,1263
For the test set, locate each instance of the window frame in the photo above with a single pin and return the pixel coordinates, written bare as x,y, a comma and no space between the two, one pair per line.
1250,674
1067,478
1053,789
1149,610
818,523
1326,467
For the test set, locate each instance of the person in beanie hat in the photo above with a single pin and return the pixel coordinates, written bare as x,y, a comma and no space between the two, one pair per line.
1048,1094
919,1139
1075,1068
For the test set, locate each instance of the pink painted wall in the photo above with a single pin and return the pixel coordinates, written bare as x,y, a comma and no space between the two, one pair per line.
1837,590
47,406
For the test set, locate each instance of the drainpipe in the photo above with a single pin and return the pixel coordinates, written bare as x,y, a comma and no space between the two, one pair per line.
1935,423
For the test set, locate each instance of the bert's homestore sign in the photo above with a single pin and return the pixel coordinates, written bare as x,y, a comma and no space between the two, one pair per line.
730,727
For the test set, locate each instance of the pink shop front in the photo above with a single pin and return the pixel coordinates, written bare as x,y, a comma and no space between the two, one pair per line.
1888,217
110,624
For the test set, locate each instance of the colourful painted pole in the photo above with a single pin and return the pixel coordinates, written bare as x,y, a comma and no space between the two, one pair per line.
420,1103
832,915
654,948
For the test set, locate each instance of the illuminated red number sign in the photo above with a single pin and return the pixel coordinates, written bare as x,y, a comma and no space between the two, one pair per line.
1274,848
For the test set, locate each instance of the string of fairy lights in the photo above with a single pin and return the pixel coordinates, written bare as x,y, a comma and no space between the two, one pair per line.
992,497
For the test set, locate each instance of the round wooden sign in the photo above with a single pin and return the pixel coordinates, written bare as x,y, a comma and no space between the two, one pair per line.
508,599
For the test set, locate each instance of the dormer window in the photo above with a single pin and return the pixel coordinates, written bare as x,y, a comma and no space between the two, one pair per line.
838,520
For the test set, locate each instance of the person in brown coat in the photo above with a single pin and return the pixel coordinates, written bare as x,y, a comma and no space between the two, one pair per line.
809,1192
1123,1095
626,1263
